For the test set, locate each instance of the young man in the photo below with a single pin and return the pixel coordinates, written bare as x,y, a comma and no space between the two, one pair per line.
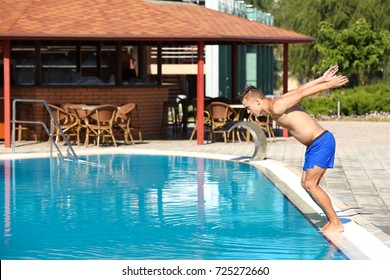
320,143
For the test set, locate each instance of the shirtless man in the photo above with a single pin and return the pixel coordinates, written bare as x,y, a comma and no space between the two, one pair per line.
320,143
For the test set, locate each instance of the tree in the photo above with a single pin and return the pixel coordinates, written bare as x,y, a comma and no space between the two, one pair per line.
304,16
359,50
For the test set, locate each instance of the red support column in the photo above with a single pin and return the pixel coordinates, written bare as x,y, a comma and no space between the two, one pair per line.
7,94
200,96
285,77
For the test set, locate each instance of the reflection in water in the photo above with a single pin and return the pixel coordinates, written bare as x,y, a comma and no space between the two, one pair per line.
200,170
150,207
7,199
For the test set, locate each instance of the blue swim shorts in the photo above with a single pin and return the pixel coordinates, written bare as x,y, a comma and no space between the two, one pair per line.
321,151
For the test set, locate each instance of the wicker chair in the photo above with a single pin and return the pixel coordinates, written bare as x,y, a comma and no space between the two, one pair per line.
221,114
68,123
265,122
99,123
124,121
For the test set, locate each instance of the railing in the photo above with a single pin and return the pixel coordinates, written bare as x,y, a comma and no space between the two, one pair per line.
70,151
177,55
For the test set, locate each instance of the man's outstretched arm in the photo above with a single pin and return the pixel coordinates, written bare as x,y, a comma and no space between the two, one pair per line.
282,104
327,76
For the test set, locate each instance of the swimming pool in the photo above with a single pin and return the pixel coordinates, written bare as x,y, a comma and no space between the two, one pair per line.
150,207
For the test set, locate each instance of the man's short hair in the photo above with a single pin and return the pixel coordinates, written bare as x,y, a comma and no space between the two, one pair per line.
251,91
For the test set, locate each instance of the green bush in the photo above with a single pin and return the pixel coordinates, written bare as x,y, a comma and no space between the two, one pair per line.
354,101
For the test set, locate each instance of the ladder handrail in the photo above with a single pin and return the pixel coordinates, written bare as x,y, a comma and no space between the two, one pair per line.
50,133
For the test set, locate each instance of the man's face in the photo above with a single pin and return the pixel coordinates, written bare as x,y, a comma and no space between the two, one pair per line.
252,105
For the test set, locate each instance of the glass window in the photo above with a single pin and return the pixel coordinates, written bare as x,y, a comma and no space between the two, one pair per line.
23,63
59,63
75,63
129,59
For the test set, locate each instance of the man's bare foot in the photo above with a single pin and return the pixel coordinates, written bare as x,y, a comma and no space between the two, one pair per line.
331,227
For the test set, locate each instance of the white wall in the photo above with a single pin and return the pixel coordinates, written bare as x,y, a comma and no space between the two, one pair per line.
212,61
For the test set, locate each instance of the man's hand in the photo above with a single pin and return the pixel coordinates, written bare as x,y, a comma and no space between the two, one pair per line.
337,81
327,76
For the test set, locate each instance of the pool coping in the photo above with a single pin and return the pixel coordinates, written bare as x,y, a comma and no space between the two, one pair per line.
361,240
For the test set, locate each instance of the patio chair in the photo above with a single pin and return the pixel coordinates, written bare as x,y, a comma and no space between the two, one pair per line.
76,110
170,117
221,115
265,122
99,123
124,121
25,111
68,123
206,122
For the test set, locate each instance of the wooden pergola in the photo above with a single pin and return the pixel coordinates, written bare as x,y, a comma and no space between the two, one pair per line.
134,21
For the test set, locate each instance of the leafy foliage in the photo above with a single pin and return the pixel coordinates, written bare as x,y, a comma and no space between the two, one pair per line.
359,51
304,16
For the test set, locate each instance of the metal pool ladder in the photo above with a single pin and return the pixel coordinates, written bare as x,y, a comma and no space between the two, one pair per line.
71,155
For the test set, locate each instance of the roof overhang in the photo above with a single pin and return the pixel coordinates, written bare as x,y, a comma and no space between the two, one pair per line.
134,20
185,39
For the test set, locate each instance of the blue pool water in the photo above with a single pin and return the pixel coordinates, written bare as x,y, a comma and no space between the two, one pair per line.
150,207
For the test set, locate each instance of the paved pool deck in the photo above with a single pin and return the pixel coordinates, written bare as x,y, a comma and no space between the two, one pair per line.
359,184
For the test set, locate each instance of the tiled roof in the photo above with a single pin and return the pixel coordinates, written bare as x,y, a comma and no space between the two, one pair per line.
131,20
